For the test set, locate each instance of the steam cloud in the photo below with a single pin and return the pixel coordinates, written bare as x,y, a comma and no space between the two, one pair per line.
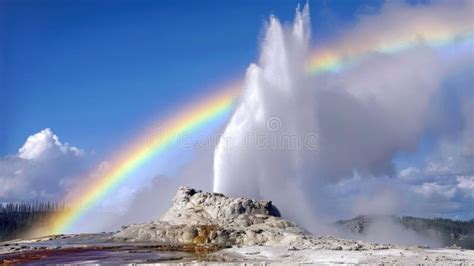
363,117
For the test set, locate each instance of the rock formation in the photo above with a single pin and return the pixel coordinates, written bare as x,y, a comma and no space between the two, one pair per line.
200,217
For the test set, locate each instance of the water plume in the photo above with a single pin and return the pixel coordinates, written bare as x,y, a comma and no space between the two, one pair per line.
269,144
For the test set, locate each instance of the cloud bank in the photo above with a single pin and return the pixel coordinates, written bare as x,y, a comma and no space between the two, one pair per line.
42,170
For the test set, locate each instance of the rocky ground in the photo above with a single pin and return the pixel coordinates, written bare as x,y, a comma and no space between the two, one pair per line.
210,227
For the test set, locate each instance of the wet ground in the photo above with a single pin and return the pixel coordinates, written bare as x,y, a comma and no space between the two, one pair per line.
96,248
92,255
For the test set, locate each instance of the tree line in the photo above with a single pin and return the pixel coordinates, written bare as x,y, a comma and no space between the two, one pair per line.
460,233
16,219
450,232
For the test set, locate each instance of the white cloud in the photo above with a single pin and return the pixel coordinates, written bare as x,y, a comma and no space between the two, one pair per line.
45,144
412,175
43,169
409,171
466,185
448,159
434,189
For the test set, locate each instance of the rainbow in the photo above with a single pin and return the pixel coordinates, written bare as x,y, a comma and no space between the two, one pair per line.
197,116
152,144
346,55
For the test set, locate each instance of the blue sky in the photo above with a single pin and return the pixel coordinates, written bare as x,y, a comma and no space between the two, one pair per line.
97,73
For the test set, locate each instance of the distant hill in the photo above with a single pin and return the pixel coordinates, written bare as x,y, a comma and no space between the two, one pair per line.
460,233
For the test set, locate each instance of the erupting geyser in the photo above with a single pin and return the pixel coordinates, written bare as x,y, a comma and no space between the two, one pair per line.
262,144
267,147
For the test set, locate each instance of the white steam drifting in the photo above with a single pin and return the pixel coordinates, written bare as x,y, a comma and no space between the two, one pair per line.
295,135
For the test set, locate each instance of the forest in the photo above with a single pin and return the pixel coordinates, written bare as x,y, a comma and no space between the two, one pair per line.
16,219
460,233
